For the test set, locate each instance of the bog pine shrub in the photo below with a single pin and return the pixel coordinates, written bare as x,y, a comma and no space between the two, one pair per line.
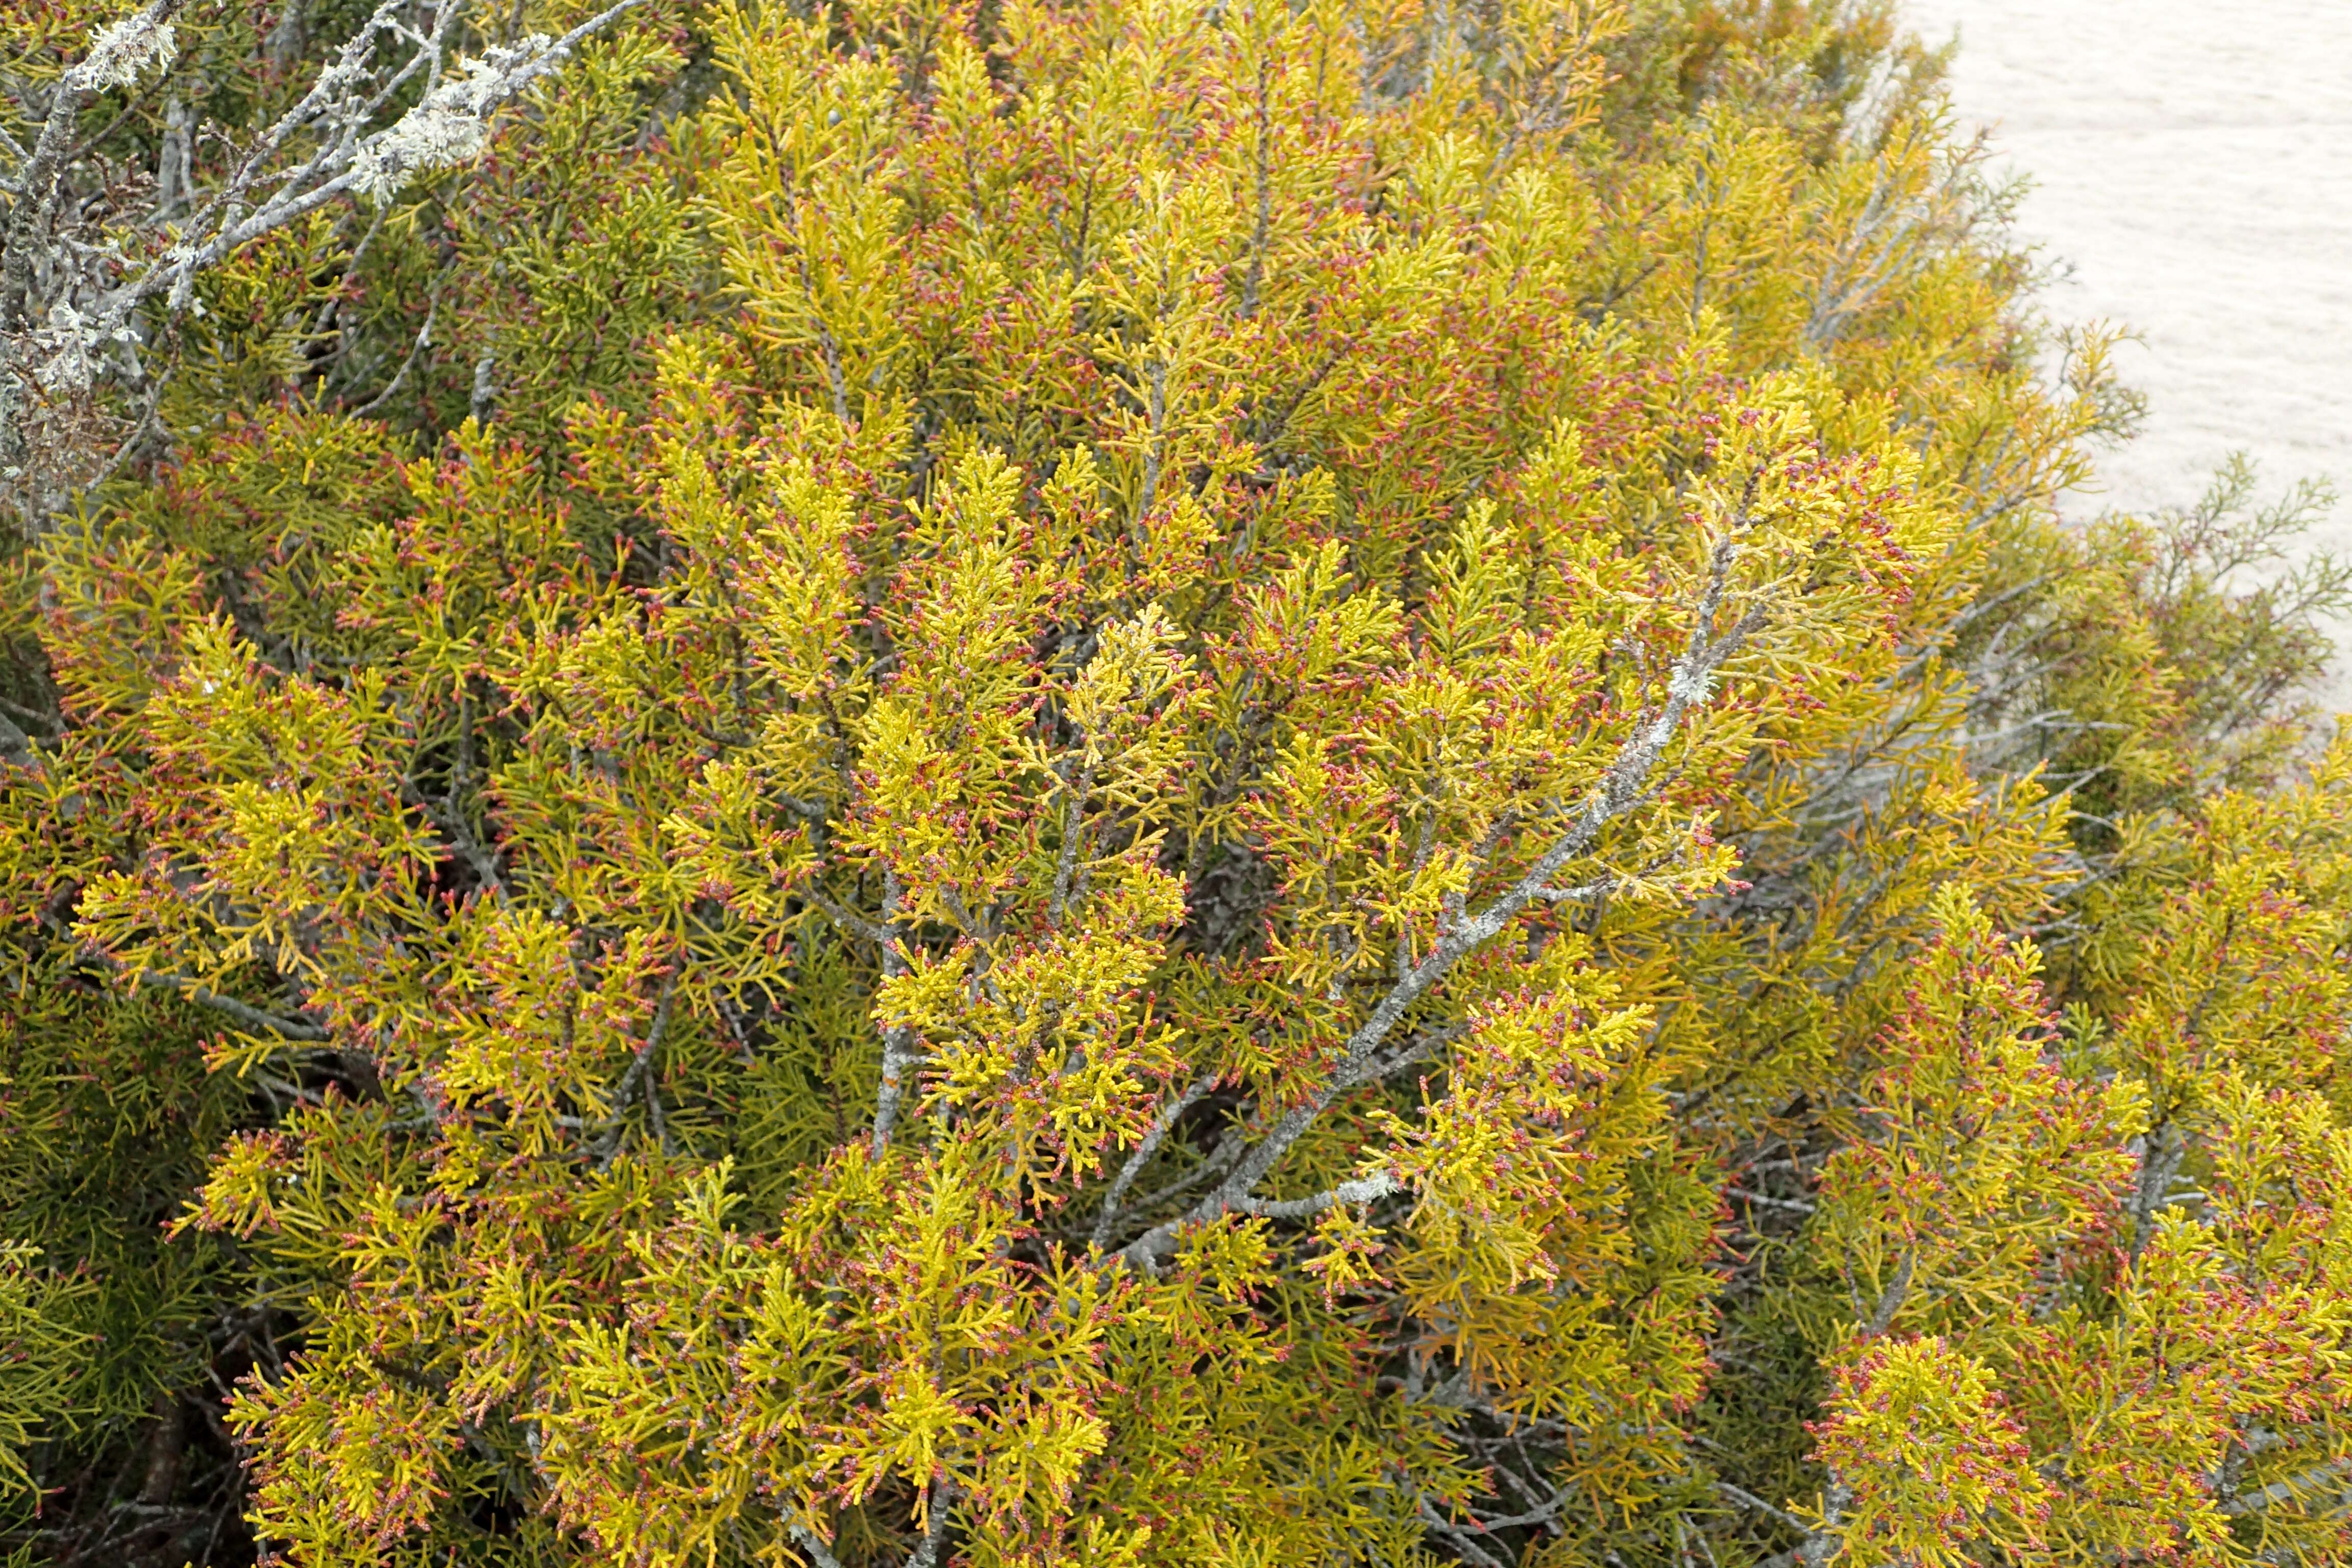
1169,782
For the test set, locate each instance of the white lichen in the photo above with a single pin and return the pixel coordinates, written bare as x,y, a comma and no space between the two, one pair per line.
64,346
451,124
120,51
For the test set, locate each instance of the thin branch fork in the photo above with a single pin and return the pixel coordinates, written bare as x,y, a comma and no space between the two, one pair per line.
939,1504
1746,1499
1619,791
1231,1147
639,1067
1152,1138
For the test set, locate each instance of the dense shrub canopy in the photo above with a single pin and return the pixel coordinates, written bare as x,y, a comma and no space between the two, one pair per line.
1145,783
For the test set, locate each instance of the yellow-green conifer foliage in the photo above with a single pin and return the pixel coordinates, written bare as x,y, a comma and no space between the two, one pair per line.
1176,783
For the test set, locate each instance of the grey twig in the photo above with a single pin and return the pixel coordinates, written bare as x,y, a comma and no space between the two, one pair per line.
639,1067
810,1542
898,1041
245,1013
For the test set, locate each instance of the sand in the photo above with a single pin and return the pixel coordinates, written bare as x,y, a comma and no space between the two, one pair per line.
2192,162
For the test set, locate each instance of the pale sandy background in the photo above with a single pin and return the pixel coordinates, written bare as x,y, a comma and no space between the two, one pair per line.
2192,160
